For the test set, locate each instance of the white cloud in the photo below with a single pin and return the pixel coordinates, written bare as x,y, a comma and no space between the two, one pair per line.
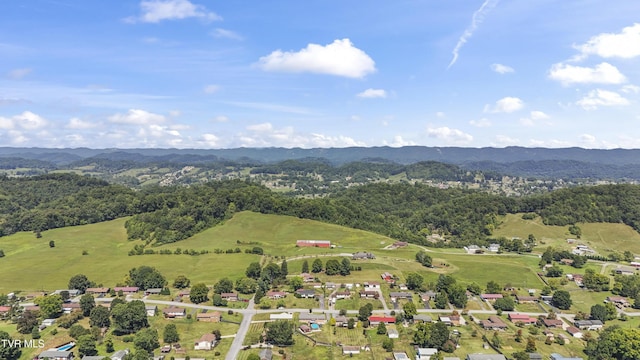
226,34
339,58
588,139
625,44
220,118
17,74
398,141
476,19
372,93
507,104
271,107
533,118
27,120
440,115
449,135
597,98
137,117
76,123
484,122
210,140
211,89
630,89
603,73
155,11
266,135
503,140
502,69
264,127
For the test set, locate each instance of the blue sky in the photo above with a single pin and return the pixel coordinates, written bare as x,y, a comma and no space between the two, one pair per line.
224,74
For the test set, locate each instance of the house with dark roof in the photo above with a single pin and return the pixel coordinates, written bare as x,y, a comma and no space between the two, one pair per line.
305,293
493,323
173,312
56,355
552,323
229,296
214,316
206,342
485,357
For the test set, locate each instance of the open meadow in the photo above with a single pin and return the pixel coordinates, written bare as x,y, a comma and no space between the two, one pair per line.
602,237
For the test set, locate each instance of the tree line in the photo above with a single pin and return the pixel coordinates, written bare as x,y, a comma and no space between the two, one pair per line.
408,212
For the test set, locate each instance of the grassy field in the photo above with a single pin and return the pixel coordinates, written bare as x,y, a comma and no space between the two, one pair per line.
602,237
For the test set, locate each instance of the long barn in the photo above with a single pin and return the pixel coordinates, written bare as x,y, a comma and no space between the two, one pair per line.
314,243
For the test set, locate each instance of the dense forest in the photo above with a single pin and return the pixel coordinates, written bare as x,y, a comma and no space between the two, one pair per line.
409,212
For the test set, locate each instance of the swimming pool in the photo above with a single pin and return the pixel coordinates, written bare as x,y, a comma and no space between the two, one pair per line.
66,346
315,326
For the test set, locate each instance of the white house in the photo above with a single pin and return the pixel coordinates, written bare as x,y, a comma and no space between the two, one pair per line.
393,334
281,316
206,342
425,353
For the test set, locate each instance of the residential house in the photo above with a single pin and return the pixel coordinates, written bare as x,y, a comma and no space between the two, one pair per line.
151,310
87,357
473,249
422,318
305,293
588,324
553,323
485,357
173,312
393,334
450,358
526,319
342,295
348,350
281,316
425,353
120,354
490,297
619,301
309,318
48,322
153,291
275,295
556,356
70,307
403,287
575,332
229,296
535,356
4,310
100,291
209,317
376,319
71,292
307,278
127,290
305,329
266,354
342,321
387,277
520,299
493,323
206,342
371,285
395,296
369,294
56,355
494,248
400,356
330,285
363,256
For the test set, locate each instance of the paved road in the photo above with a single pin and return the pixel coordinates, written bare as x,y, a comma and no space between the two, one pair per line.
236,345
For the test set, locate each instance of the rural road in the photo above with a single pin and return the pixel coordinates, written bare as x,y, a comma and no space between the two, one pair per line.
236,345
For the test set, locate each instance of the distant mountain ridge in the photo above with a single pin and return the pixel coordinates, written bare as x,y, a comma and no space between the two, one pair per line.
401,155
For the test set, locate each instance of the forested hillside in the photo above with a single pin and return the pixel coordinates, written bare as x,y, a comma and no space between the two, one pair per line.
409,212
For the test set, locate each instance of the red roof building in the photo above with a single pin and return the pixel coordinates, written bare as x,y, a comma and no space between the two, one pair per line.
314,243
375,320
522,317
